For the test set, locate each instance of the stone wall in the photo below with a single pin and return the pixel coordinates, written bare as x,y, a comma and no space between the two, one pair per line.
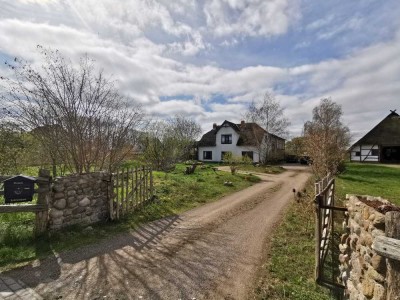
78,199
363,271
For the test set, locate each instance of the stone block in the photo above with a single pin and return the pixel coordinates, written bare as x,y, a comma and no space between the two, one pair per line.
58,188
55,213
67,212
89,211
57,196
78,210
373,274
368,287
58,221
379,292
84,202
378,263
60,203
71,193
365,213
71,202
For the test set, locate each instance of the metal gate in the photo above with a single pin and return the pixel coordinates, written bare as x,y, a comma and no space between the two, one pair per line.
131,188
327,233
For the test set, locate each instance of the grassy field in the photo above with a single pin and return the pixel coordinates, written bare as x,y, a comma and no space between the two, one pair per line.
289,270
175,192
369,179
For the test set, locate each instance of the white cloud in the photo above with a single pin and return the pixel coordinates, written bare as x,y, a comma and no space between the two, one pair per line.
251,18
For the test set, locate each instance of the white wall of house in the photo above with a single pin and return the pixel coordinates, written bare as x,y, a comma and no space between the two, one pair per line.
219,148
364,153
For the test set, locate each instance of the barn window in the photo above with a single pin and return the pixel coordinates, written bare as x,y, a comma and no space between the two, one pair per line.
358,153
375,152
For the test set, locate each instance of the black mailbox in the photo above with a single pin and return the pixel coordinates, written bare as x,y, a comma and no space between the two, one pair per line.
19,189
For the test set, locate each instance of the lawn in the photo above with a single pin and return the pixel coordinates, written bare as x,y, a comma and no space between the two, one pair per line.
369,179
288,272
175,192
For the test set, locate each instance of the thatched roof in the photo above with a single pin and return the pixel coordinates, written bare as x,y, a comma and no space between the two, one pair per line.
387,132
249,134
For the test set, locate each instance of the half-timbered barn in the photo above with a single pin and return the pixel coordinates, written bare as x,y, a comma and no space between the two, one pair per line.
381,144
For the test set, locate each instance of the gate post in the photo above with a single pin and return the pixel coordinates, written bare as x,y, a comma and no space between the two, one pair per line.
41,220
392,230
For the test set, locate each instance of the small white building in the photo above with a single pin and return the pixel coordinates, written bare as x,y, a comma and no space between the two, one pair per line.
244,139
381,144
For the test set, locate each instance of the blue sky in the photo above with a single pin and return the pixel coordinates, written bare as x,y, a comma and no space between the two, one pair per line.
208,59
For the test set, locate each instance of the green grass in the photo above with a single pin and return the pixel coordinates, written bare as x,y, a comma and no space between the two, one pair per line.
369,179
175,192
289,270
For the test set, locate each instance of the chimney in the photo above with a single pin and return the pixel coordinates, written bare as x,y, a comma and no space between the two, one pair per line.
242,122
215,126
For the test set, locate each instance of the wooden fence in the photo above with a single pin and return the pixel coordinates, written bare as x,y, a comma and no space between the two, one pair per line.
326,234
131,188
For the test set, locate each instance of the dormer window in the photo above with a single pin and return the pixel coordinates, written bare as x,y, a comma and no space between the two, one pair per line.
226,138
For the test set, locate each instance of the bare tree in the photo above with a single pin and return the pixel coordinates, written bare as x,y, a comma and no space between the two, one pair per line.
326,138
74,111
270,115
185,132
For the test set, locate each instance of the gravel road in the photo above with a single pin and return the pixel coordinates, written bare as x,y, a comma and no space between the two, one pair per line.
211,252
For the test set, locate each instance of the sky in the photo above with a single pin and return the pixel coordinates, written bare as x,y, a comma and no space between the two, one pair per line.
209,59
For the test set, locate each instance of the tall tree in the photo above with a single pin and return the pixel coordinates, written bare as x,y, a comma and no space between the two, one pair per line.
269,114
326,138
295,146
75,111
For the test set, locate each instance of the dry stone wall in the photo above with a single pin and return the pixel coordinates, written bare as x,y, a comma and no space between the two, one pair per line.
363,271
78,199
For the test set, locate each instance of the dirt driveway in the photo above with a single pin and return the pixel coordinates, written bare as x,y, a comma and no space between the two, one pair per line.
212,252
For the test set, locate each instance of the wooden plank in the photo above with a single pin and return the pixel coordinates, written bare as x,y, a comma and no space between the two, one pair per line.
133,189
136,190
111,197
387,247
117,196
127,191
151,184
23,208
122,192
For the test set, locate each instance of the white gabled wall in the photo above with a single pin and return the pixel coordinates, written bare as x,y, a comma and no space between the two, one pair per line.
236,150
365,154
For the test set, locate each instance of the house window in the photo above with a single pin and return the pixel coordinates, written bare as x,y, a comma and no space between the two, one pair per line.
226,138
358,153
248,154
375,152
207,154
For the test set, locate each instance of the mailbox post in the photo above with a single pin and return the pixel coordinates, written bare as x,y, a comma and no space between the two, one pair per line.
19,189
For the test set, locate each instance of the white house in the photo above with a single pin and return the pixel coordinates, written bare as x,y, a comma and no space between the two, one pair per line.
381,144
244,139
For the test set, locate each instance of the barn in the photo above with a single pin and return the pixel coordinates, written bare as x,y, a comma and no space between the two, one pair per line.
381,144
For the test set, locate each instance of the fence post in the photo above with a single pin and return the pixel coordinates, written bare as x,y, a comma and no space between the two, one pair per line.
392,230
42,216
151,183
